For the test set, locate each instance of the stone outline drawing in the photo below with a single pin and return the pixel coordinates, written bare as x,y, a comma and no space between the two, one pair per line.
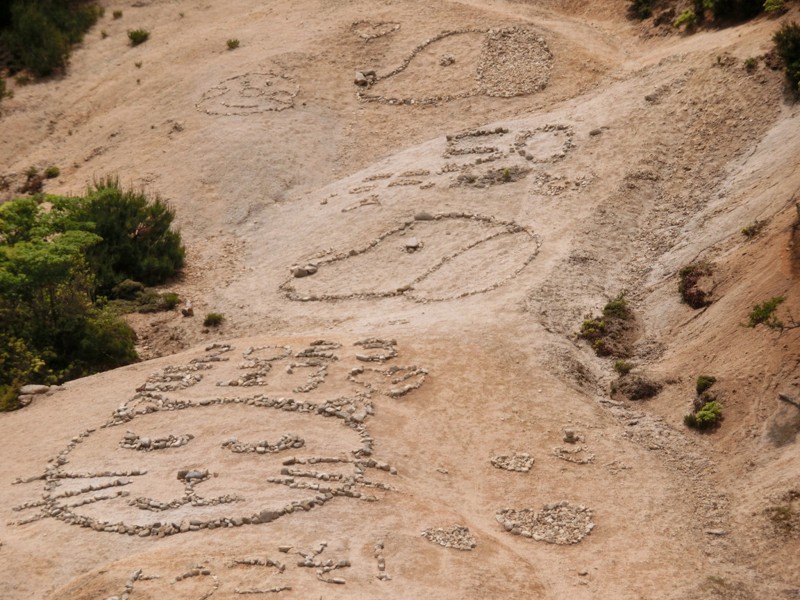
282,99
487,64
391,27
406,290
351,411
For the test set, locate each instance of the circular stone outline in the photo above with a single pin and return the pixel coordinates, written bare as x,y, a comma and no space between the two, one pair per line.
511,228
246,110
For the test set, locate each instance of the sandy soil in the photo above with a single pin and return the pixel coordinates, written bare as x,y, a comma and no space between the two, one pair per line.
470,236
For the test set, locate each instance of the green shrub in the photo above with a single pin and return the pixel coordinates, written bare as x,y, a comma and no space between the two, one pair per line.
117,14
704,382
775,6
213,319
787,45
765,313
623,367
137,239
617,308
52,172
706,418
750,64
233,44
127,289
170,300
753,229
138,36
640,9
687,17
41,32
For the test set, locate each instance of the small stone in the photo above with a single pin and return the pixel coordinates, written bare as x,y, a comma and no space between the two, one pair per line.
423,216
595,132
33,389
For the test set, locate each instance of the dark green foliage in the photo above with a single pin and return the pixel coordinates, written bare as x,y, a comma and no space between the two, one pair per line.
117,14
765,313
608,333
736,10
137,240
51,265
640,9
52,172
138,36
787,45
707,417
233,44
213,319
617,308
39,33
704,382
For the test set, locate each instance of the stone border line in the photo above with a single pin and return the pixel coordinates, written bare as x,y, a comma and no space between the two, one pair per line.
368,37
510,228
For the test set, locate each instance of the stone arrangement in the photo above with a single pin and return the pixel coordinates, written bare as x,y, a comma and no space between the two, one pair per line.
368,31
513,61
381,561
526,143
578,454
502,228
457,537
520,463
557,523
301,472
250,94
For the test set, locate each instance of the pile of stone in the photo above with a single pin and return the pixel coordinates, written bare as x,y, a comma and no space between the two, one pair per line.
514,61
286,442
492,177
520,463
131,441
457,537
557,523
320,349
173,378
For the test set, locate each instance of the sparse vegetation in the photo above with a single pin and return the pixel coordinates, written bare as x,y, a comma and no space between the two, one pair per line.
687,18
213,319
688,280
775,6
607,334
704,382
787,45
138,64
622,367
750,64
52,172
636,387
138,36
708,417
753,229
117,14
764,313
233,44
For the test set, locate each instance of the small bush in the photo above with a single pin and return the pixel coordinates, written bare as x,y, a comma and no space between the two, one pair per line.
22,79
117,14
687,17
787,45
753,229
623,367
636,387
138,36
233,44
688,279
3,92
213,319
750,64
138,64
127,289
170,300
765,313
640,9
775,6
52,172
706,418
704,382
608,333
617,308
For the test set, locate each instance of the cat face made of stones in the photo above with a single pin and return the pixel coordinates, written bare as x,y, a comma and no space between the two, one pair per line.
179,457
